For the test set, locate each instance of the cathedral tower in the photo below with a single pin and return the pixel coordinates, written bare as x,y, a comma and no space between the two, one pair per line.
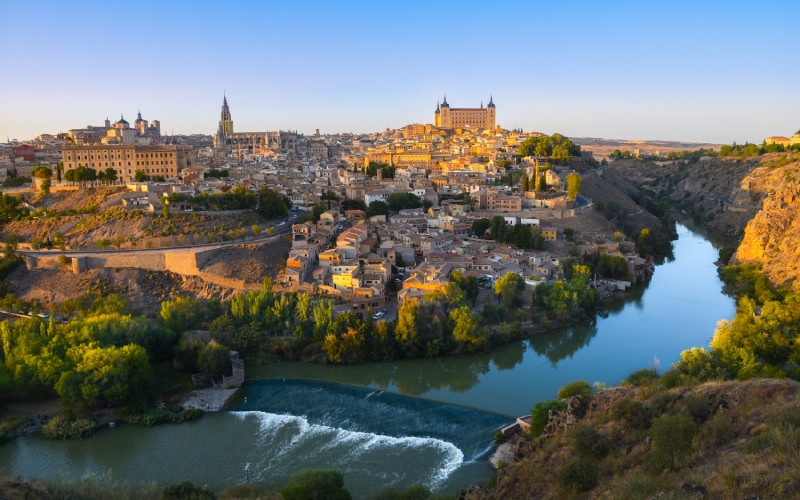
225,128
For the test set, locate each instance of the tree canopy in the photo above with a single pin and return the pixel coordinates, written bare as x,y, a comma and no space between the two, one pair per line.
556,146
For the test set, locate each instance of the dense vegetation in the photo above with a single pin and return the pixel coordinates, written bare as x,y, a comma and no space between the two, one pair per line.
106,355
266,201
554,146
520,235
387,171
762,340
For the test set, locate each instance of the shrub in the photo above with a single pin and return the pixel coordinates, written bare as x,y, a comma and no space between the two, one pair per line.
589,442
633,413
323,483
162,416
63,260
63,428
244,491
672,438
579,475
698,407
642,377
541,414
577,388
660,401
9,426
717,432
187,491
413,492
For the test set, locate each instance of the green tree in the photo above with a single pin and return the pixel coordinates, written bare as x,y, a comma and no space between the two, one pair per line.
327,484
466,330
540,414
672,438
510,288
272,204
479,227
139,175
214,359
351,204
9,207
468,283
588,442
524,185
42,172
402,201
574,181
110,175
579,475
577,388
377,207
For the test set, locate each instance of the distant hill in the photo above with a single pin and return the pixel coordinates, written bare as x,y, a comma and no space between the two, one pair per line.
602,147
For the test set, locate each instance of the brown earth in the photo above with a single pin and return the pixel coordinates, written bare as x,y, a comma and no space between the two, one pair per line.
252,263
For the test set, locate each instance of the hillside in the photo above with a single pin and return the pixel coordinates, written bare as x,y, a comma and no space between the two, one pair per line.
772,238
716,440
721,194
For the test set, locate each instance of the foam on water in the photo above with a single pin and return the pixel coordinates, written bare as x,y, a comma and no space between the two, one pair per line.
357,443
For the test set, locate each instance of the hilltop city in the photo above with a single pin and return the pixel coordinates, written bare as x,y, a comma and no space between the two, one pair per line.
375,218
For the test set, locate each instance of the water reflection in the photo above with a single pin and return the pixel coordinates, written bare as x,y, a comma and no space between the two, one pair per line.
508,358
563,343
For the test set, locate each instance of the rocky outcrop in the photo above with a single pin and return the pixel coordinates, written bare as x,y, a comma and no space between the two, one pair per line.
772,238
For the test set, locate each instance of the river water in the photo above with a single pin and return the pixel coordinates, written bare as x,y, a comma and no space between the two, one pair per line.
398,423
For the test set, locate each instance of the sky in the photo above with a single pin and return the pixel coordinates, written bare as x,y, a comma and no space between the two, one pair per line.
701,71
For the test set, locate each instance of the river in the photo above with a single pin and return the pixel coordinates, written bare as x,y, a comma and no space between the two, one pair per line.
398,423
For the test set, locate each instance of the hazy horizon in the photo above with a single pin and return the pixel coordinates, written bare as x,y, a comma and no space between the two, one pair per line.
678,72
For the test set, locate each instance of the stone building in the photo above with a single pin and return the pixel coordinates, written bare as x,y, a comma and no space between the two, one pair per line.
475,118
155,161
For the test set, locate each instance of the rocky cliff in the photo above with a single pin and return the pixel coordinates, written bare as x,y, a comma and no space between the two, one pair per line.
772,237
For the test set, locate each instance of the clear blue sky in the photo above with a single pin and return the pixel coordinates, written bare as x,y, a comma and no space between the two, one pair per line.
714,71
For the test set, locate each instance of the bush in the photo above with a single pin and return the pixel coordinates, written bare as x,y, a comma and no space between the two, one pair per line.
162,416
541,414
64,428
413,492
642,377
660,401
633,413
589,443
717,432
698,407
577,388
323,483
9,426
242,491
672,438
579,475
187,491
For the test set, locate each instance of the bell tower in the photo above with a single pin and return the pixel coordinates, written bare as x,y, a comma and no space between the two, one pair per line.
225,123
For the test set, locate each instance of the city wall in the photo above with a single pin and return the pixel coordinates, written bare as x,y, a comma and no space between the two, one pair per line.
184,263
